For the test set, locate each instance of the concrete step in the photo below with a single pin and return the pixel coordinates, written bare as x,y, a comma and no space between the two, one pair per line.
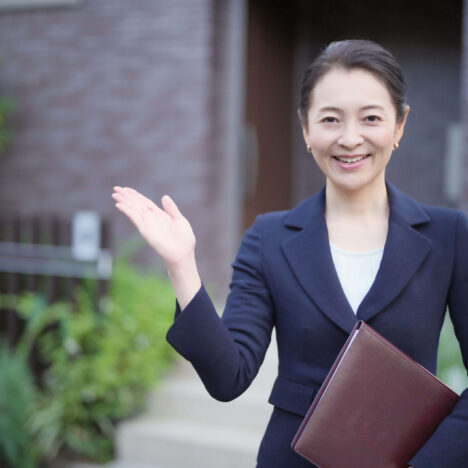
190,400
118,464
183,395
176,443
127,464
185,426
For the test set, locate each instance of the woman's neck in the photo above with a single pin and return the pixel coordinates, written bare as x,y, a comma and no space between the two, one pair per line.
369,202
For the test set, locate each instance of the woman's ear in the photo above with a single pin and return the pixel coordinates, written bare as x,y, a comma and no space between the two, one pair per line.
305,133
300,117
401,126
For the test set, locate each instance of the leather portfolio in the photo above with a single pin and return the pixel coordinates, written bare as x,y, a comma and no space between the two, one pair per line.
376,407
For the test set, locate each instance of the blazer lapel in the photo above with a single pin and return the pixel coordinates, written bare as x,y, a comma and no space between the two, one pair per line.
308,253
405,250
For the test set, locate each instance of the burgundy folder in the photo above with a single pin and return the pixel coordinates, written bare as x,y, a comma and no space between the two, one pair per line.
376,407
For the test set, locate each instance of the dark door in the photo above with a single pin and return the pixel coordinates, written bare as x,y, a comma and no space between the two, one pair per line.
269,108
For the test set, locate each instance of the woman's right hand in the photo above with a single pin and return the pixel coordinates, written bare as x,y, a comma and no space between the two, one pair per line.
166,230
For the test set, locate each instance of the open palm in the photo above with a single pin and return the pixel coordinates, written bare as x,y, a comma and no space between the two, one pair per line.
166,230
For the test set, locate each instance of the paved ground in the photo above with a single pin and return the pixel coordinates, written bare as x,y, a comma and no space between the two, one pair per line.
184,423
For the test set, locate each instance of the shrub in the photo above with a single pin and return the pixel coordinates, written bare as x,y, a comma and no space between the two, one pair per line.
101,360
17,400
102,364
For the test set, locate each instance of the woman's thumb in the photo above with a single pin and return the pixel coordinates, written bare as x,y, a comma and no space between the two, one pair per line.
170,207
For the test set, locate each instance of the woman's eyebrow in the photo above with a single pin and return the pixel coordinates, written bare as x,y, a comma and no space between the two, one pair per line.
337,109
373,106
330,109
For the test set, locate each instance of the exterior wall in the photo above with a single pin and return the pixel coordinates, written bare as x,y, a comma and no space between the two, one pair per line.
230,23
433,75
117,92
139,93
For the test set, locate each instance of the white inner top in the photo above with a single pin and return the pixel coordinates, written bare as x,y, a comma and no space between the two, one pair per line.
356,271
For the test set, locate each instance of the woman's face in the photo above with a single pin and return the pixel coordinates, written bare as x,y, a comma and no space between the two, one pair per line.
351,127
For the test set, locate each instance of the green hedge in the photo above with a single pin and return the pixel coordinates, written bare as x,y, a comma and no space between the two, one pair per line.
102,363
17,404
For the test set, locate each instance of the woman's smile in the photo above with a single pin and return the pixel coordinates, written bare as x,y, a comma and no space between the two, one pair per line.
349,162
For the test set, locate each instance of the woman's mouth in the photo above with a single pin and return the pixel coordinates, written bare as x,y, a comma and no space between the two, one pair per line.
348,159
351,161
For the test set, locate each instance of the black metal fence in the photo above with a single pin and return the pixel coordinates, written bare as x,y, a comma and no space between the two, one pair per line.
36,254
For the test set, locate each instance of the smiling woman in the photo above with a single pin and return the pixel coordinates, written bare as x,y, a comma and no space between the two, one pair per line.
353,114
359,249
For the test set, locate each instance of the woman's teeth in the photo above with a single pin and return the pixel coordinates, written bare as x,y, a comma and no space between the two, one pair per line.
351,160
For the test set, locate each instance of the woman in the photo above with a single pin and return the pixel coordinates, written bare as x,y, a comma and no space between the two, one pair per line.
359,249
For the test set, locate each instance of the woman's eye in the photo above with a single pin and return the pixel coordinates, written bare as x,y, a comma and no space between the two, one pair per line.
372,118
329,119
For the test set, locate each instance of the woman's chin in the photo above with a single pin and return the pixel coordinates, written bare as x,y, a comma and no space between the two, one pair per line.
352,182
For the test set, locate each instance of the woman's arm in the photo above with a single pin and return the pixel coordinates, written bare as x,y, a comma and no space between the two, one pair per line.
226,351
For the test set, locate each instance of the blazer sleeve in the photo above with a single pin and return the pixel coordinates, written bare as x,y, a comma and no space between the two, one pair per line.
227,351
448,446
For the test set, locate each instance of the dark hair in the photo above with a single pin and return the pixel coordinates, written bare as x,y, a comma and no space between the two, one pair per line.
349,55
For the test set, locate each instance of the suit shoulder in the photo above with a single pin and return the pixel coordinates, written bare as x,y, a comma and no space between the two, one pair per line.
445,221
442,213
272,220
275,216
269,224
298,215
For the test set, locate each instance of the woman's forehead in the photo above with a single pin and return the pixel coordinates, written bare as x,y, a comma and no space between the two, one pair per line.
343,88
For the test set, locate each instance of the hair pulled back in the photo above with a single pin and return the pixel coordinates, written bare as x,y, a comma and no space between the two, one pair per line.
356,54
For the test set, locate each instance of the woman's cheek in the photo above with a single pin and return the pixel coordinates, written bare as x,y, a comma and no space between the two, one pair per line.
322,143
381,135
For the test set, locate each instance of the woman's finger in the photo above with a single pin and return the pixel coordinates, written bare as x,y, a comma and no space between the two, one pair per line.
139,196
170,207
133,200
143,202
129,202
118,196
126,197
131,213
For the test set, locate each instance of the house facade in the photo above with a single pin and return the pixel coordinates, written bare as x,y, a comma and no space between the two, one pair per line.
197,99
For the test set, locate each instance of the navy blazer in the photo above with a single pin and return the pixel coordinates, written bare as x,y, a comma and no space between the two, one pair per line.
284,277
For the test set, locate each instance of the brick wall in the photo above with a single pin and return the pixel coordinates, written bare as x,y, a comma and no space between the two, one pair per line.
115,92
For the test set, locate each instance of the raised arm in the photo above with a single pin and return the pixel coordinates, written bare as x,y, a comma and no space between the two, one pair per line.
169,233
226,351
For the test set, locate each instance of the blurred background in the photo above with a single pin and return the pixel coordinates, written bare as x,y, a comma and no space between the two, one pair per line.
197,99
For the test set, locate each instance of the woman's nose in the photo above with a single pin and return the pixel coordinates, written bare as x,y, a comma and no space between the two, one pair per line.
350,136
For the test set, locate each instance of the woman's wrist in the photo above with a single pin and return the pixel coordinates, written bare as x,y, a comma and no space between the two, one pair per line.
184,267
185,279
